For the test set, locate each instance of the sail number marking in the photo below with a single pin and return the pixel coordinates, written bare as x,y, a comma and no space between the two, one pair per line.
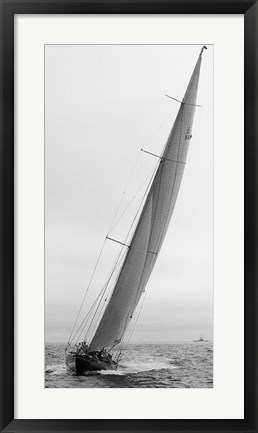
188,135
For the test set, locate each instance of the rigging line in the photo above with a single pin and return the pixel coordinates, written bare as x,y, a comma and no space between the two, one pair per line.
160,169
159,181
94,270
153,219
134,325
147,191
88,314
179,148
83,324
100,308
88,287
154,258
122,247
108,295
147,135
86,317
90,311
120,346
124,192
103,293
113,225
83,329
140,206
132,199
115,349
147,141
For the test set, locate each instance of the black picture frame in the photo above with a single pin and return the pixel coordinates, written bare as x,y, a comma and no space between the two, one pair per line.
8,9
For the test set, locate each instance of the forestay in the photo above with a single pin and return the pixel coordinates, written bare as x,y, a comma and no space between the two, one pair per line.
152,225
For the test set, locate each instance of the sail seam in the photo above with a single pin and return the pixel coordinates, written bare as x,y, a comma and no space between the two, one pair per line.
174,160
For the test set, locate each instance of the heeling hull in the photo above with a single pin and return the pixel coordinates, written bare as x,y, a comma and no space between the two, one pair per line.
81,365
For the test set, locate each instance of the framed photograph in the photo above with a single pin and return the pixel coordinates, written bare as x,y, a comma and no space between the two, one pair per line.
128,249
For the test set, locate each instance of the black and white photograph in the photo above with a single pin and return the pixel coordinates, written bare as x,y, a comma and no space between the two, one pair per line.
129,290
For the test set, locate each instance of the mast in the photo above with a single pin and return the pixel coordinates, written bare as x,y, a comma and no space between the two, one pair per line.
152,225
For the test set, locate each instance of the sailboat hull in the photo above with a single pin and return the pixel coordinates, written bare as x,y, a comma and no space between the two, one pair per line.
82,364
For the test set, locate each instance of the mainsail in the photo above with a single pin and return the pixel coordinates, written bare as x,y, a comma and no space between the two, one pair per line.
152,225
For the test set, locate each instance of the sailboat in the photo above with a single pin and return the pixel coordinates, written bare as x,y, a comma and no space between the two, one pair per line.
201,340
103,349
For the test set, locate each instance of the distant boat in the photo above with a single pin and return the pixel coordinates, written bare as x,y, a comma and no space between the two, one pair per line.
201,340
99,345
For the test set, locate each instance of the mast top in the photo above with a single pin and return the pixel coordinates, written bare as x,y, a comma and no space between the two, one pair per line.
203,48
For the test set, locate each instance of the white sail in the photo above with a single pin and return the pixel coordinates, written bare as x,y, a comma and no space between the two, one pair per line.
119,309
152,225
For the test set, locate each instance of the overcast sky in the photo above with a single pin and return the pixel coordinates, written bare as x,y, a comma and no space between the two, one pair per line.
103,103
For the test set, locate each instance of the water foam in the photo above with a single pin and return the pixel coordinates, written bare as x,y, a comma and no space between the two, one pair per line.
132,367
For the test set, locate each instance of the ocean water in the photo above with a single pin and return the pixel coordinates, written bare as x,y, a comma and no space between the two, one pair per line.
170,365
